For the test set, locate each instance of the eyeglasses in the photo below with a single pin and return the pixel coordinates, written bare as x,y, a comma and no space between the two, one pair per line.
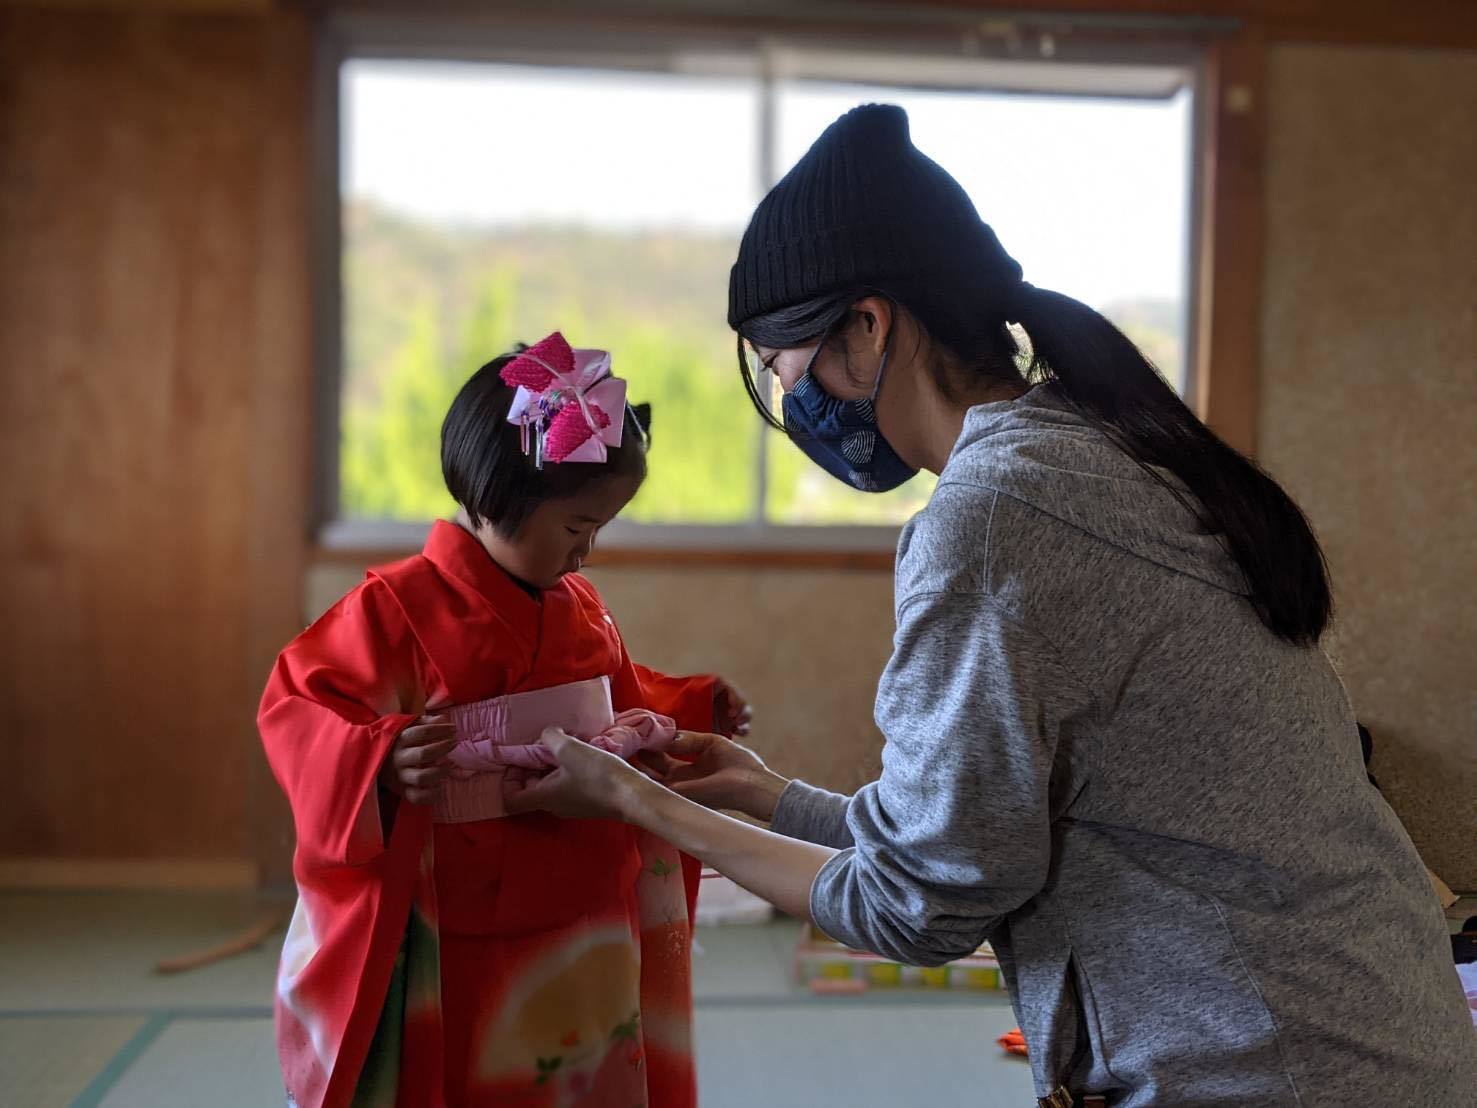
763,384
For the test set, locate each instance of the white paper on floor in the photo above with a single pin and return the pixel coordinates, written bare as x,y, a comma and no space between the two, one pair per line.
720,901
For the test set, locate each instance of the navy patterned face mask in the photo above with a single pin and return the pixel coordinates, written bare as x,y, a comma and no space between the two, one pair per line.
842,436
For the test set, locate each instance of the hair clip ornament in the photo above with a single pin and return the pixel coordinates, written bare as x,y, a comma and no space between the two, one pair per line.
567,402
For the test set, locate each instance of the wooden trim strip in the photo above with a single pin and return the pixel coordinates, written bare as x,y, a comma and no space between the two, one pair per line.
871,561
614,557
1231,217
214,874
1436,23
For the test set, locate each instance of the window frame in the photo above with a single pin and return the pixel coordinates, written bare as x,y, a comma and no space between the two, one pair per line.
770,55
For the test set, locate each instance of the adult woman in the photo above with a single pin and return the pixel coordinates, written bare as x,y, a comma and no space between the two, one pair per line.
1113,746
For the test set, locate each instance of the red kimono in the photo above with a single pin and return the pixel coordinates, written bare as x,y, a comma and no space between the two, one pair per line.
527,961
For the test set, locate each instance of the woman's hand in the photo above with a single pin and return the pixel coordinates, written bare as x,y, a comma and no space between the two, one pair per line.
416,764
591,784
717,773
587,784
731,712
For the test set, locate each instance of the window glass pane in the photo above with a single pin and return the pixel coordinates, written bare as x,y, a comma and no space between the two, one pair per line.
488,204
1090,195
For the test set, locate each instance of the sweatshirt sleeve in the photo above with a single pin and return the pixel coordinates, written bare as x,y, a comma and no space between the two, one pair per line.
813,815
338,697
956,833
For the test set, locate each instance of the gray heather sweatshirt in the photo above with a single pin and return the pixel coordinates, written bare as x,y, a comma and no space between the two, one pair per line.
1101,761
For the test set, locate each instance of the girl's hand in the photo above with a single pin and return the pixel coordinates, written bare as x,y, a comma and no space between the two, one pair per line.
731,712
416,764
717,773
587,784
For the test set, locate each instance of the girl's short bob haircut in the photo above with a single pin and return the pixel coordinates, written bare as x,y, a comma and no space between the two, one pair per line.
489,475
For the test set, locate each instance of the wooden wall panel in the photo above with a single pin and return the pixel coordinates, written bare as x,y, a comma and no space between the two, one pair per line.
153,345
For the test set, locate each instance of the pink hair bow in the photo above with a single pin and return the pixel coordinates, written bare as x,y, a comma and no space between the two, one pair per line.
569,405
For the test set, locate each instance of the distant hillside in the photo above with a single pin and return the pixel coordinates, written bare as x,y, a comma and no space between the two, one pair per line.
566,277
575,278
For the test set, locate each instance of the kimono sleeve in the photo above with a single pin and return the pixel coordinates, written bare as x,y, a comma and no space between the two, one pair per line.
688,700
337,699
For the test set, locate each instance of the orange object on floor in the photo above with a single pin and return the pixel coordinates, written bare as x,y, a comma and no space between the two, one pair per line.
1013,1042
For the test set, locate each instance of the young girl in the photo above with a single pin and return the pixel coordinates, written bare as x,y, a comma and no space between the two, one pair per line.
443,953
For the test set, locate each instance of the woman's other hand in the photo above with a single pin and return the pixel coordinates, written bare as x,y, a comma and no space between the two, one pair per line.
716,772
731,712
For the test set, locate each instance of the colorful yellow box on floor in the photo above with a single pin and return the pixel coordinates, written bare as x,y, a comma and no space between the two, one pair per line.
829,967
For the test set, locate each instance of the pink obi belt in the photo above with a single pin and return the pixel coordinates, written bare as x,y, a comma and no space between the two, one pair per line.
499,737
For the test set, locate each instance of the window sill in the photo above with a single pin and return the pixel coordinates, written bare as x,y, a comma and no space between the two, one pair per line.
636,545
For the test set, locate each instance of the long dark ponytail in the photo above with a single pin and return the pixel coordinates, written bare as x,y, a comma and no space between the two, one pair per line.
1100,372
1093,366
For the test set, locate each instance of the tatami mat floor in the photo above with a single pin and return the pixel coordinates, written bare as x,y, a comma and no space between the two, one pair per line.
85,1022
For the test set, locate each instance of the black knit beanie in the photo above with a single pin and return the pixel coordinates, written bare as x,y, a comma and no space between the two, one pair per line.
865,207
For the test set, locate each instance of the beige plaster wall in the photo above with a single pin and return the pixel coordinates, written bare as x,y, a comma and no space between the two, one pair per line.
1369,397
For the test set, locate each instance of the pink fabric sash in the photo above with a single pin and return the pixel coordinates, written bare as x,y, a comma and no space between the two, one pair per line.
502,734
